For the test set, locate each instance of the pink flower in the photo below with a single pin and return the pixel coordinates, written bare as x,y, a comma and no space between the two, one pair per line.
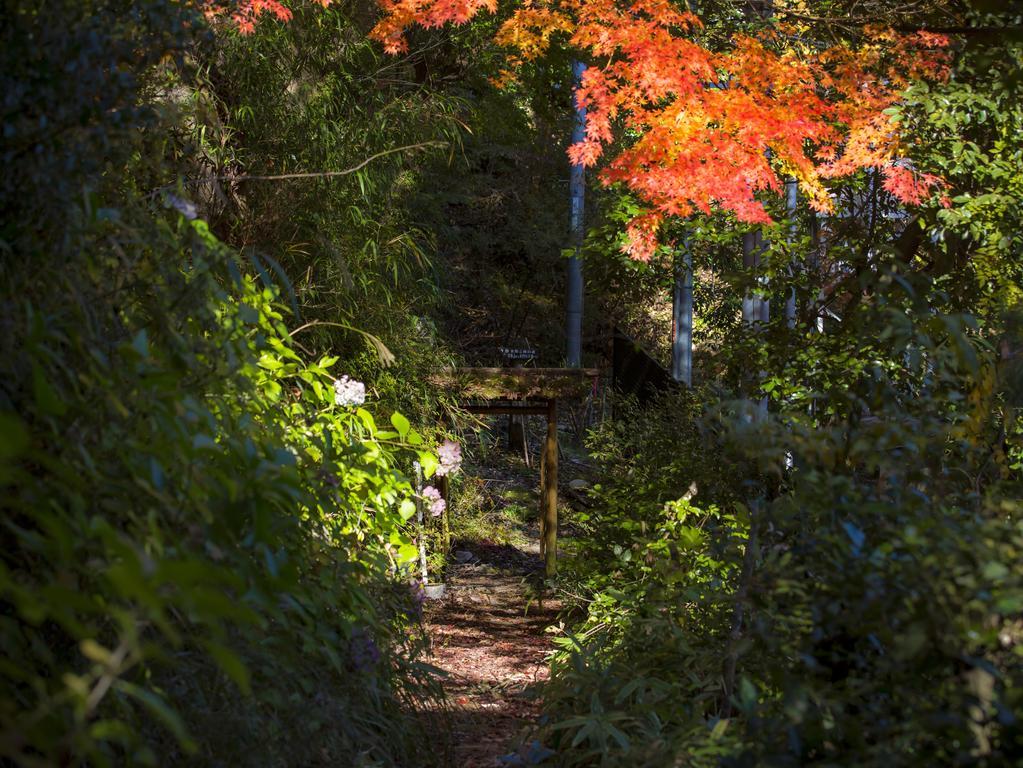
450,456
435,500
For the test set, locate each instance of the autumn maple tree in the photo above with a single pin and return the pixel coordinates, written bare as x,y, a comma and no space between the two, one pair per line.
714,128
245,13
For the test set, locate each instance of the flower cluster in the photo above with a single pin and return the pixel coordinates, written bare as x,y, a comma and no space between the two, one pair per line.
363,650
435,500
450,456
418,598
349,391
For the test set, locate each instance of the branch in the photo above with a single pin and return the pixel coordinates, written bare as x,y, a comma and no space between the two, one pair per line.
308,174
859,21
387,357
1009,28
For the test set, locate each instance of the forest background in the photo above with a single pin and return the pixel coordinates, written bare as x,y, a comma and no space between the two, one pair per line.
809,557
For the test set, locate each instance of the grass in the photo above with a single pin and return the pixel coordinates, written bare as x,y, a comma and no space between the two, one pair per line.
483,511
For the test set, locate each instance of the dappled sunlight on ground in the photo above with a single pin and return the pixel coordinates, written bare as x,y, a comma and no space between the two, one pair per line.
489,636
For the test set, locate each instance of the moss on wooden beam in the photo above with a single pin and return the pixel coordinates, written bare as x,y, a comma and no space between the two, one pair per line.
516,383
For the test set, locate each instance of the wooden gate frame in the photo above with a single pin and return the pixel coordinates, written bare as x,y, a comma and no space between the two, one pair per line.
525,391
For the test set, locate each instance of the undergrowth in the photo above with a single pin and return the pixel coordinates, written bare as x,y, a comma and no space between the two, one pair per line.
802,617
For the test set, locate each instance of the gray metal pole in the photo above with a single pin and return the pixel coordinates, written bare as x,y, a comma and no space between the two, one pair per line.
815,254
682,310
577,193
791,201
749,260
756,309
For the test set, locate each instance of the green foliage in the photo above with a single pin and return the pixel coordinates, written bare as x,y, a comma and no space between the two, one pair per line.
968,132
829,582
204,554
315,96
858,608
206,493
654,573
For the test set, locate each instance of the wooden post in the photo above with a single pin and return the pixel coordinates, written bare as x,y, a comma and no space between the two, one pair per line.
543,496
549,526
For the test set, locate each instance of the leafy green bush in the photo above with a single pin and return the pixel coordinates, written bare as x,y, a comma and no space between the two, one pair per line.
204,549
852,600
180,517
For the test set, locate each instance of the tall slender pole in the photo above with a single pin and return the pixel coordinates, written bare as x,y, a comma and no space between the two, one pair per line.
577,193
815,263
764,301
756,307
791,201
751,309
420,527
682,320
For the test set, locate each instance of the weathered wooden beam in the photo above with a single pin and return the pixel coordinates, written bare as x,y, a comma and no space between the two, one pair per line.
550,493
524,410
516,383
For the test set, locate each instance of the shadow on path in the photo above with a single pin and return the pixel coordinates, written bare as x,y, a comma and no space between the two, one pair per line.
489,637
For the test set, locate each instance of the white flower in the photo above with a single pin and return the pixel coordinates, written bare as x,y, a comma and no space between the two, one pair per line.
450,456
349,391
436,501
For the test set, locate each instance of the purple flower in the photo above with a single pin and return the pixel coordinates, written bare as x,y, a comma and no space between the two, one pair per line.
185,207
363,649
450,456
435,500
418,595
349,391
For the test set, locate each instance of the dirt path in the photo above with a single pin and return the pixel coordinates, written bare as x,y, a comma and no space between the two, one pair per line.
490,639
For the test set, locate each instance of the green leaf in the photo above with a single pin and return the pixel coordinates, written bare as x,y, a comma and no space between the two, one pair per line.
995,571
747,694
46,396
141,343
161,710
407,509
94,651
13,436
407,553
429,463
231,664
401,424
367,419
